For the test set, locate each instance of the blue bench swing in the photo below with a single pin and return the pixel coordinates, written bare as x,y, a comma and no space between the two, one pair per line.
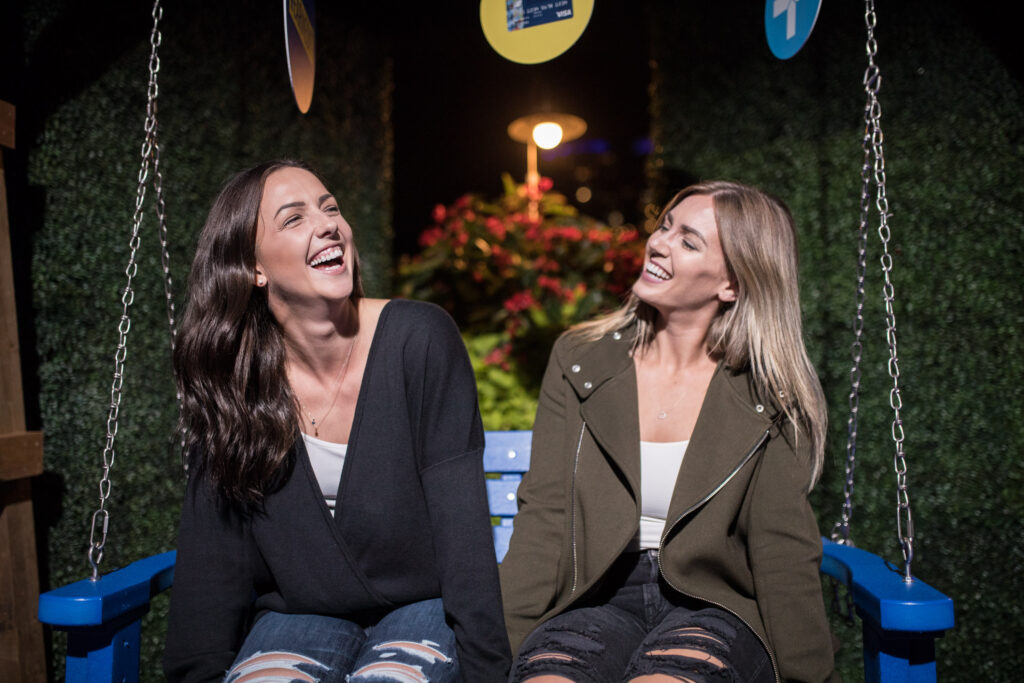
900,614
901,619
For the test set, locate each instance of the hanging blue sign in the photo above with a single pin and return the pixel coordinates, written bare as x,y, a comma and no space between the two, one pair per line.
788,24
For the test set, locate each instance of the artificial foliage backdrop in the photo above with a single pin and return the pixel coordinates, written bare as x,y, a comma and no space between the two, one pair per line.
225,104
954,128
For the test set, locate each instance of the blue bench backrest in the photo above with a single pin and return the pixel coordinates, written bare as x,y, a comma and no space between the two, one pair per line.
506,458
900,620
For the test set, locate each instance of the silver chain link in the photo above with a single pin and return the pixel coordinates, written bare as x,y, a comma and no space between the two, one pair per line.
843,605
841,530
150,153
872,84
161,208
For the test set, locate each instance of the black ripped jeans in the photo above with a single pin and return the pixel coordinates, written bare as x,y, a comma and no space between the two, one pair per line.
637,625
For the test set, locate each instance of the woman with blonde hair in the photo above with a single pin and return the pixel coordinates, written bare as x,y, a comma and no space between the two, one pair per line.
664,531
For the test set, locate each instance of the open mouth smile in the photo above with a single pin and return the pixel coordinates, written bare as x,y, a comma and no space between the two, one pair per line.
657,271
328,259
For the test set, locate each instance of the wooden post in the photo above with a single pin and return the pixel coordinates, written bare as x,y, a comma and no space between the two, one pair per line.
22,656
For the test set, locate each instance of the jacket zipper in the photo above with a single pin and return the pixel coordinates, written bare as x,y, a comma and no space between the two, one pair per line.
709,496
572,508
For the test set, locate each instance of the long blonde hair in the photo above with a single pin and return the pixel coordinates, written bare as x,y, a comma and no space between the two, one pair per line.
762,329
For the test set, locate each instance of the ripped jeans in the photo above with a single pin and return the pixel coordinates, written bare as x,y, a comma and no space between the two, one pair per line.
411,644
636,625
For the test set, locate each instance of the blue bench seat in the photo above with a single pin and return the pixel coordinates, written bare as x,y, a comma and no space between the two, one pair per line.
900,620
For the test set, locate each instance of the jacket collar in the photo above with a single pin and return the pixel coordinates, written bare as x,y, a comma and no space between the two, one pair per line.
732,418
601,373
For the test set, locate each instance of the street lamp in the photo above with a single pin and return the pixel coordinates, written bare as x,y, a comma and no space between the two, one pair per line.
546,131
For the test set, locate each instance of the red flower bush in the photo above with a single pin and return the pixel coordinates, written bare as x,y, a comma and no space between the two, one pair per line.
496,270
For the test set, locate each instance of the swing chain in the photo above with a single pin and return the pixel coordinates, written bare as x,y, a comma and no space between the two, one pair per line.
150,151
841,530
872,84
161,208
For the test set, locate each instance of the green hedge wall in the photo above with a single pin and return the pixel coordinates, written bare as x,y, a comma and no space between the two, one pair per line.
722,106
225,103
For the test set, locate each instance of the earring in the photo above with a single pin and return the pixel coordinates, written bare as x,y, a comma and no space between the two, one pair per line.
260,282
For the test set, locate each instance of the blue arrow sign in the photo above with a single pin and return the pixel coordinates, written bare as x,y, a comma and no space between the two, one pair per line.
788,24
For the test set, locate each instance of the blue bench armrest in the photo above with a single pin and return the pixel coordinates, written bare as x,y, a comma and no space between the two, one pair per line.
881,594
90,603
900,620
104,619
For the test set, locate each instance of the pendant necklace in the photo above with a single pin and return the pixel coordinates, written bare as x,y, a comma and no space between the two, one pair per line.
313,422
663,414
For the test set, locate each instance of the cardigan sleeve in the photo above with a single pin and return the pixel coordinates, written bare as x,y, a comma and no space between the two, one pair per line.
785,554
529,572
212,587
451,441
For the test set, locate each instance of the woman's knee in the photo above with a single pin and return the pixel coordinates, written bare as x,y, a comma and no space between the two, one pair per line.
412,643
702,649
276,665
588,645
296,647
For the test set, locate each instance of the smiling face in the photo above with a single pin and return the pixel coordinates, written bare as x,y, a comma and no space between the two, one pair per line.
684,267
304,248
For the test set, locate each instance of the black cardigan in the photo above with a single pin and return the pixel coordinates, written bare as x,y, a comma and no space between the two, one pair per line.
411,521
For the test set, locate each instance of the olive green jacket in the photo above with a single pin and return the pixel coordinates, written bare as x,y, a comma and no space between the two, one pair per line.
740,532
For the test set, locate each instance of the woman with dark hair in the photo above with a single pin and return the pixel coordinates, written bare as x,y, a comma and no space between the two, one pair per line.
664,531
335,524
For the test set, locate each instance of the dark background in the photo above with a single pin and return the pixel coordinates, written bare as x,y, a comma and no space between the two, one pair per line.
456,96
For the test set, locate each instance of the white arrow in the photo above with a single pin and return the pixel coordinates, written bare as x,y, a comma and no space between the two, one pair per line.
789,7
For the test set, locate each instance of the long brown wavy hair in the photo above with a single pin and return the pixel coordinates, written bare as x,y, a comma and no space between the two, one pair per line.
762,329
239,415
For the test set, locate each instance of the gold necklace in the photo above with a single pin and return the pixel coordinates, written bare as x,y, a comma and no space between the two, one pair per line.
337,390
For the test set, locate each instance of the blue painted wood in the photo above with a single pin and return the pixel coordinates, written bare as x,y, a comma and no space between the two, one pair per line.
507,451
103,618
901,621
890,656
881,594
107,652
506,454
501,495
90,603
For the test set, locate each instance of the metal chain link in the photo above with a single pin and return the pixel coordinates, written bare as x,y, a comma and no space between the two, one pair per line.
149,152
872,84
841,530
161,209
842,596
873,171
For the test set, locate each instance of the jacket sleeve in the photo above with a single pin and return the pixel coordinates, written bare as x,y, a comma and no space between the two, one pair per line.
212,587
785,555
451,461
529,572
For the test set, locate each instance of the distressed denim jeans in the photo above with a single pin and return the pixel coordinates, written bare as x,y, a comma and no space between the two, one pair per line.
411,644
636,625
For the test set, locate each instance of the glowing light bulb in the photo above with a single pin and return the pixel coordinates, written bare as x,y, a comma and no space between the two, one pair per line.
547,135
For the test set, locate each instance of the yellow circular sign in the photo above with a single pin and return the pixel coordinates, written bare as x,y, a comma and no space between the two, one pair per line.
533,31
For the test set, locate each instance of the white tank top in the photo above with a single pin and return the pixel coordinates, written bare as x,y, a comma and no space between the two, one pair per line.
659,467
327,459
